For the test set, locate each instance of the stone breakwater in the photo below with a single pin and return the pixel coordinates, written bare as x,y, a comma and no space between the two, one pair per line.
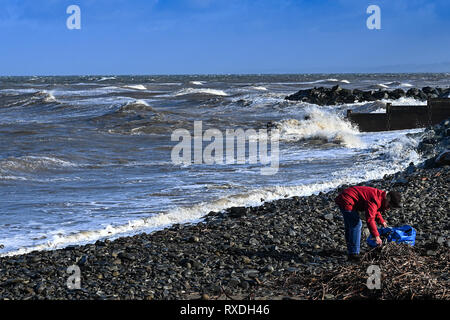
241,253
338,95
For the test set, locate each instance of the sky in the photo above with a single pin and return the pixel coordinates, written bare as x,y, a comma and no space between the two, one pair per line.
223,37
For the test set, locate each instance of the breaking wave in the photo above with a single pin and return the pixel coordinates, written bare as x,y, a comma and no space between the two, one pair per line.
327,81
260,88
206,91
136,87
391,85
320,125
32,164
195,213
30,99
106,78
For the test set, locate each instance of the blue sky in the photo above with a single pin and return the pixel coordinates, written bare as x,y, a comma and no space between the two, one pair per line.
223,36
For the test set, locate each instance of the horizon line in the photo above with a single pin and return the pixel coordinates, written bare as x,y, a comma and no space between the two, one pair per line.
216,74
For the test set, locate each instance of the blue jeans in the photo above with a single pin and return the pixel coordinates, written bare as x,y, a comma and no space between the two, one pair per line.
353,226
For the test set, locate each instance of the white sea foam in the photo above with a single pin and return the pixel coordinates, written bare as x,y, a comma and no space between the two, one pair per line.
330,80
390,152
261,88
405,101
209,91
321,125
136,87
19,90
392,85
197,83
49,97
106,78
195,213
33,163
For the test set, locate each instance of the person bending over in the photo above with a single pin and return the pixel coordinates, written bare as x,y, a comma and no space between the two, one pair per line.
373,202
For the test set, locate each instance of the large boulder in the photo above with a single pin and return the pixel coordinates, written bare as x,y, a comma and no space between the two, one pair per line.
378,95
413,92
396,94
443,159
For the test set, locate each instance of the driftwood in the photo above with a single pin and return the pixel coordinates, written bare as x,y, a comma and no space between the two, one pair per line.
406,273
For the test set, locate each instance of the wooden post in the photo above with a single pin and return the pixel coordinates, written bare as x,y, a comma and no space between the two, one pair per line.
388,116
429,114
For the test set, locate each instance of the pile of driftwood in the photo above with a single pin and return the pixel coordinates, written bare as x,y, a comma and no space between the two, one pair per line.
405,272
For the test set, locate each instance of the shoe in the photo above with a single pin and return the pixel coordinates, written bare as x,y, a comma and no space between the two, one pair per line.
353,258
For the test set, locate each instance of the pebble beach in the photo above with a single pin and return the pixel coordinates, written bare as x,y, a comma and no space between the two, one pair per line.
242,252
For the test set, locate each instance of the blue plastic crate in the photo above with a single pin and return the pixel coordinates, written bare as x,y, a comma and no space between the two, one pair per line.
406,234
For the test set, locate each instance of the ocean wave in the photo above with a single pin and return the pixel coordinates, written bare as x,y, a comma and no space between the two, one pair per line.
136,105
32,164
398,84
29,99
106,78
128,108
379,86
207,91
260,88
326,81
405,101
380,106
196,213
136,87
320,125
136,117
391,85
197,83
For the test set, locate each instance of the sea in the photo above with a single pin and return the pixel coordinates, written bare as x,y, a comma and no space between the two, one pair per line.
87,158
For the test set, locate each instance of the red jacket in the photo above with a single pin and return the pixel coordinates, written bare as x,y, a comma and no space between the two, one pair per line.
367,199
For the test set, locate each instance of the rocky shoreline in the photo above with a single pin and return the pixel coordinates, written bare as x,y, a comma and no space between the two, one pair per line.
338,95
273,251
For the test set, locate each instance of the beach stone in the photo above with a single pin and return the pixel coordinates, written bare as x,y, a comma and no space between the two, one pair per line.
194,239
400,181
443,159
205,296
234,282
82,261
269,268
126,256
251,273
246,260
244,285
236,212
431,253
